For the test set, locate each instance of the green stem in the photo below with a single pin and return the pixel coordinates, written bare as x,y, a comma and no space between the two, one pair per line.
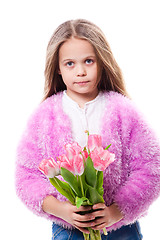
105,231
82,189
98,235
92,234
86,236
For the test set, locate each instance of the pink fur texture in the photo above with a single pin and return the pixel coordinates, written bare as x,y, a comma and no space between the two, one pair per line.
132,181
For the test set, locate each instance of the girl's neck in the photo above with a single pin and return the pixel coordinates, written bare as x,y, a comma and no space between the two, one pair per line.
81,99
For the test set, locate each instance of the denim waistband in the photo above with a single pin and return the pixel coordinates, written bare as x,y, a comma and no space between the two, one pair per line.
129,232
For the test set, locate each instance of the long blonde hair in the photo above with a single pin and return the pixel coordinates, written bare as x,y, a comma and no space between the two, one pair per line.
111,75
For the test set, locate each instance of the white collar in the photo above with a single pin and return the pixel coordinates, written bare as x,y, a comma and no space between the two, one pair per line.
75,104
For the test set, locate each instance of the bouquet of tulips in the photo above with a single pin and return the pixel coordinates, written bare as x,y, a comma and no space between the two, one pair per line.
82,171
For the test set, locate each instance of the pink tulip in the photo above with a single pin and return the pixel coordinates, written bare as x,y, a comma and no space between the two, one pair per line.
72,149
85,154
64,162
94,141
101,158
73,160
78,165
49,167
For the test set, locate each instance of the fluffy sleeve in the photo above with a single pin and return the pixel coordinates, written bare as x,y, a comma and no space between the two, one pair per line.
37,143
141,155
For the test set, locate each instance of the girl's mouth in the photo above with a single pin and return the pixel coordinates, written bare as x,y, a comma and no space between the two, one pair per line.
82,82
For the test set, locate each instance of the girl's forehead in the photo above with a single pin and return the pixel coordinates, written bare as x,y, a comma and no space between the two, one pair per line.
76,47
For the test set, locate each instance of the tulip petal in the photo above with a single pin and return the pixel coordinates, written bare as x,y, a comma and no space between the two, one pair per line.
78,164
49,167
101,158
73,160
94,141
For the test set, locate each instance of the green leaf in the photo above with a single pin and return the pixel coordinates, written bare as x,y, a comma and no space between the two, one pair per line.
72,180
90,173
94,196
99,185
101,191
81,201
107,147
63,188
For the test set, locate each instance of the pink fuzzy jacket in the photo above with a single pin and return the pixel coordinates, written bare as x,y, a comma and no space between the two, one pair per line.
132,181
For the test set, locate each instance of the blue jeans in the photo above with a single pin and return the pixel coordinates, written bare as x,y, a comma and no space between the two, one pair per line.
129,232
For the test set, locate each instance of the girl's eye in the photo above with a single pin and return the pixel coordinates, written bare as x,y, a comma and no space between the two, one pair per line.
89,61
70,64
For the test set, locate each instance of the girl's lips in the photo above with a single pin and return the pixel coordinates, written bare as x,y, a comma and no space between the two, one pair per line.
82,82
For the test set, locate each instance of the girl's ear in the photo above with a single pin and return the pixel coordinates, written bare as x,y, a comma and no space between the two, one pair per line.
59,72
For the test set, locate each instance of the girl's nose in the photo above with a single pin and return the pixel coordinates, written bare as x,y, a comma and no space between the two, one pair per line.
81,71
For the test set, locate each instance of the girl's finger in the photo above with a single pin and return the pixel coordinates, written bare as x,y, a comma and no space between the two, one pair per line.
99,221
99,206
83,218
98,213
82,208
84,224
100,226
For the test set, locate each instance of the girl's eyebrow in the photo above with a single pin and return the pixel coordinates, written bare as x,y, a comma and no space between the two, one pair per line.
67,60
90,56
73,59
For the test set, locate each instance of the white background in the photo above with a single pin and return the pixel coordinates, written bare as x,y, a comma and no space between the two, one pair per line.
132,29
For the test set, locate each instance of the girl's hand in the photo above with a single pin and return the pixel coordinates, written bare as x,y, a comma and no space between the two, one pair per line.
69,213
105,216
72,215
102,217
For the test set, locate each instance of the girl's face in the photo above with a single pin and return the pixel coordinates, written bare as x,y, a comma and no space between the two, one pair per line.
78,67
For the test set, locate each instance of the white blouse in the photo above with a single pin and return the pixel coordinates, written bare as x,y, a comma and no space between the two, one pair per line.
82,119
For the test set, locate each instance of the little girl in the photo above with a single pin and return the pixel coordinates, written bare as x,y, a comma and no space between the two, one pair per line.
84,90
